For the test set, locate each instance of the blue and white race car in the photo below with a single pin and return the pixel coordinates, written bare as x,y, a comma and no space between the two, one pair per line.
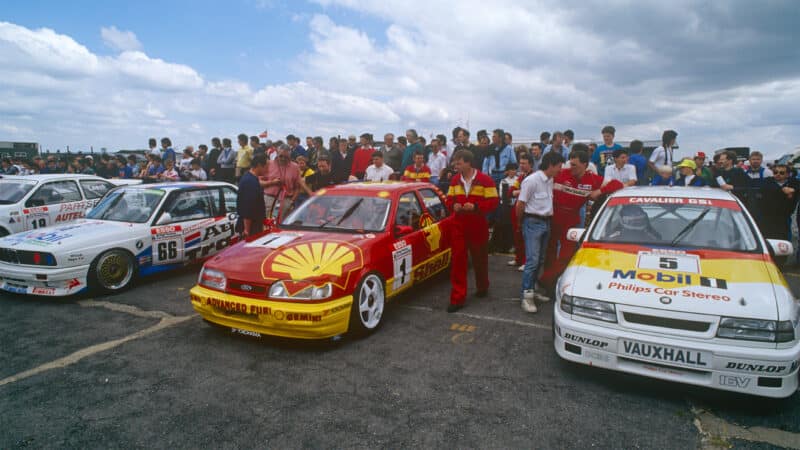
133,231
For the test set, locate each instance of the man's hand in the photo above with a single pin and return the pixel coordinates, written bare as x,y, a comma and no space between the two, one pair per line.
469,207
595,194
457,207
726,187
788,191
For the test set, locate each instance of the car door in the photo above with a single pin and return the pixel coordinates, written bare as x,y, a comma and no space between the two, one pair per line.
409,248
181,227
432,222
220,232
53,202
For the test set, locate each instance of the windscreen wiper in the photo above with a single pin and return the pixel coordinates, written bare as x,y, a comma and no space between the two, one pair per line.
688,227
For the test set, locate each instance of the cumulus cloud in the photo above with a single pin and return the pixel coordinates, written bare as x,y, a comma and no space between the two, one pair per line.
120,40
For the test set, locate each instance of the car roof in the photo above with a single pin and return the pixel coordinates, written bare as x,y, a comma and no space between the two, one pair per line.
372,188
675,192
50,176
177,185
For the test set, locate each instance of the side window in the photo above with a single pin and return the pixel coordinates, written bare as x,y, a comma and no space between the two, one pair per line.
408,211
95,188
190,205
54,193
434,204
230,199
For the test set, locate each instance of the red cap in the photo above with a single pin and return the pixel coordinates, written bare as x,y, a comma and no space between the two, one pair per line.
700,155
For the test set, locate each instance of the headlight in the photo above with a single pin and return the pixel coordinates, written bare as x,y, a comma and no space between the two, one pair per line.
213,279
756,330
585,307
278,290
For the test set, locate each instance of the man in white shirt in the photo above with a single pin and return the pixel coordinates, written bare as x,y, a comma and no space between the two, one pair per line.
378,171
621,171
534,210
662,156
437,160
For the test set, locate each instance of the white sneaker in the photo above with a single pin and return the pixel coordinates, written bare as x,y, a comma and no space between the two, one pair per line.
528,305
541,297
528,294
521,268
513,262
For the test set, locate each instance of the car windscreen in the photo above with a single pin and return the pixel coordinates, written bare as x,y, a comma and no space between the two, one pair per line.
675,222
12,191
127,205
340,213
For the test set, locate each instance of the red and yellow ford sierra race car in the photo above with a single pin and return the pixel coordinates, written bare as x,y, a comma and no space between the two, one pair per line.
330,265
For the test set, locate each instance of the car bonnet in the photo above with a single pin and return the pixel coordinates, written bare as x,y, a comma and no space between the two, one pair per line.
75,235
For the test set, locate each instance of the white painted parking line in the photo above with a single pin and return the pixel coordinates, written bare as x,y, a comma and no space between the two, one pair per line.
73,358
121,307
716,432
480,317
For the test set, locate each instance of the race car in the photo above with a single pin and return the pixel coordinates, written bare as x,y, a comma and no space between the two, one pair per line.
133,231
331,265
678,284
32,202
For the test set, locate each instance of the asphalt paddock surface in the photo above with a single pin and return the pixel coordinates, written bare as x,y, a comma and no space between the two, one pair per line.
140,369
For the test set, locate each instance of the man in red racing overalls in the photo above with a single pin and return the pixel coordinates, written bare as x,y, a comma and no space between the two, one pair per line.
572,188
472,195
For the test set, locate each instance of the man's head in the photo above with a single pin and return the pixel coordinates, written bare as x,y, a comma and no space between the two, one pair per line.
254,141
419,158
196,164
463,161
558,139
578,159
166,143
633,218
388,139
324,164
569,136
727,159
152,143
687,167
498,137
365,140
636,146
525,163
351,140
620,156
507,138
463,136
131,160
309,142
284,154
342,145
668,138
377,159
226,143
435,145
536,150
781,172
202,149
402,142
608,133
442,140
551,164
242,139
258,165
215,142
317,142
302,163
700,159
412,136
511,170
756,159
544,138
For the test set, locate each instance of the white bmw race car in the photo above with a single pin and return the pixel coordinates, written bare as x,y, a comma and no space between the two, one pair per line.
31,202
133,231
678,284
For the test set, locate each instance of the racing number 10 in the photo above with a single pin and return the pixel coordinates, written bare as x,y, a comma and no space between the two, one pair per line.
167,250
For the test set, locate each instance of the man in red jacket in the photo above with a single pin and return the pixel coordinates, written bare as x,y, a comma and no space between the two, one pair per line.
472,195
572,188
417,171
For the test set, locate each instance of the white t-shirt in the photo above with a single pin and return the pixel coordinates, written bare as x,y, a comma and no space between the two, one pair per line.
437,162
662,157
537,193
756,175
381,173
186,163
199,174
624,175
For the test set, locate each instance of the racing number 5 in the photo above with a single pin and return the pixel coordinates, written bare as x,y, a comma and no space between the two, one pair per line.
167,250
667,262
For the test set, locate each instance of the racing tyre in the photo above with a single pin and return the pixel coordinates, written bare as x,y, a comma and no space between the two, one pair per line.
3,232
112,271
369,301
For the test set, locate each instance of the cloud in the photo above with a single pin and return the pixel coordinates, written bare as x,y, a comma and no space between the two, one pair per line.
120,40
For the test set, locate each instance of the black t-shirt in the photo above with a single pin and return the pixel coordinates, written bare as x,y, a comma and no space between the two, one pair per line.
319,180
250,201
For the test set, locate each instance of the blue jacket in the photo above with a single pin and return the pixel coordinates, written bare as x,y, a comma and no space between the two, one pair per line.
506,156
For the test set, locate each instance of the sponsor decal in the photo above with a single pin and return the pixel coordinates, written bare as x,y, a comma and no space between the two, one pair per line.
303,317
666,354
734,381
677,263
573,235
665,300
583,340
73,283
402,262
636,289
245,332
670,278
15,289
139,245
755,367
77,206
70,216
399,244
728,204
205,249
335,261
335,309
433,235
432,266
273,240
43,291
36,211
75,257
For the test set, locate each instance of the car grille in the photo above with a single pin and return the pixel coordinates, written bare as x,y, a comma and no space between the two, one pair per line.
247,288
9,256
664,322
12,256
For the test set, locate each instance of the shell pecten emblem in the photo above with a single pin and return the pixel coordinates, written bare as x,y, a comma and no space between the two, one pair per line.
308,260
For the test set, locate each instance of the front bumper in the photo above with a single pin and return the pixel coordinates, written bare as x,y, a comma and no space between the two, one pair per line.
47,281
765,372
293,320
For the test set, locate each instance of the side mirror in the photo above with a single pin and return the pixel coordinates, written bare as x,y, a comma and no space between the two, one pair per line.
780,247
402,230
575,234
165,218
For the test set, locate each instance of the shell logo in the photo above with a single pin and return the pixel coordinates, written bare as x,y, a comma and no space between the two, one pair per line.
433,235
312,260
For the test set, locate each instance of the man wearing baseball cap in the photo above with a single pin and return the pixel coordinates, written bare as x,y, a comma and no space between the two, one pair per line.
687,168
702,170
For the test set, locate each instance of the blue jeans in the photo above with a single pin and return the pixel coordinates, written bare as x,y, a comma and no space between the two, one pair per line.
536,232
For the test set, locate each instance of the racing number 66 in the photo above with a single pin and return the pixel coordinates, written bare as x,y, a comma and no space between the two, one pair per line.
167,250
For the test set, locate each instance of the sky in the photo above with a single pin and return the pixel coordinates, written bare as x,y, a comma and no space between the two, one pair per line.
112,74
